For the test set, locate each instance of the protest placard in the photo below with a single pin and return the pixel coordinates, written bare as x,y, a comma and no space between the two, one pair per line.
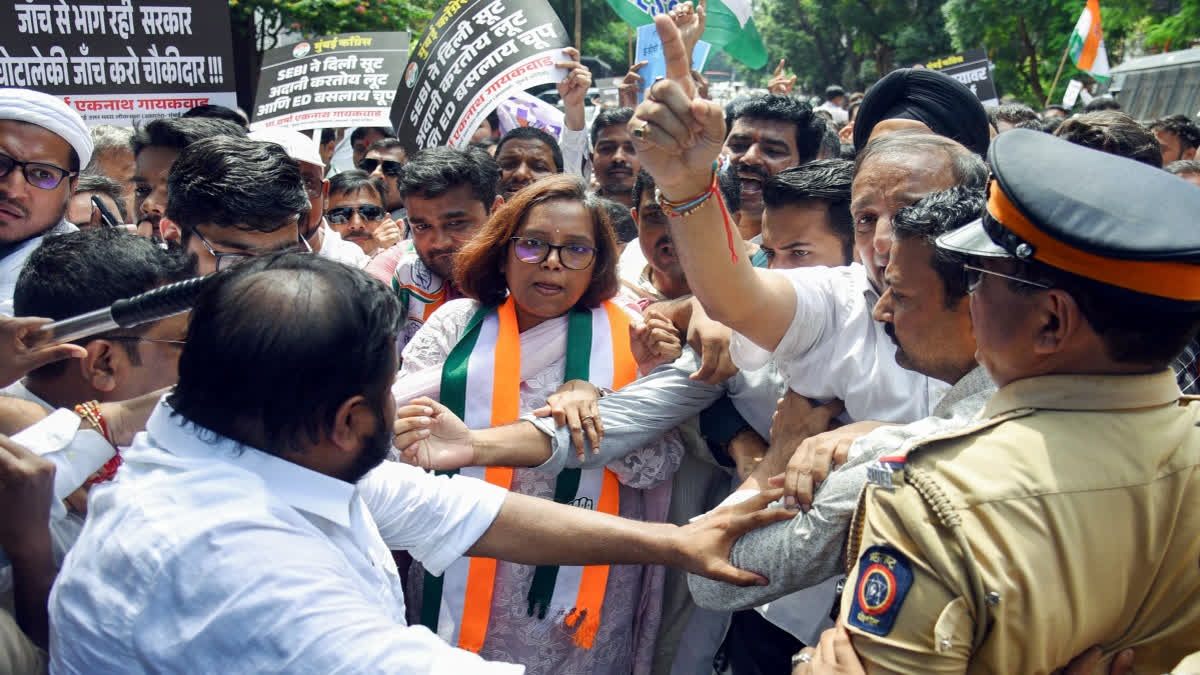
119,61
649,49
473,55
346,80
973,69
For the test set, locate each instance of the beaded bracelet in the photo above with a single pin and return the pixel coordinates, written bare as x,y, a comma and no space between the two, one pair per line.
687,207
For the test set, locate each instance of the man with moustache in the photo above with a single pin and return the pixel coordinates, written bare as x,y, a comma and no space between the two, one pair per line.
449,194
767,134
814,323
970,548
266,503
156,146
924,312
43,145
526,154
614,159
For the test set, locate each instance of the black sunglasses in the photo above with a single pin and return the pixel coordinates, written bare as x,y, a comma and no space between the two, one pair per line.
343,214
390,167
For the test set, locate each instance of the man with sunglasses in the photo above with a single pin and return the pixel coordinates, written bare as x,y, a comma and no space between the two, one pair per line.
43,144
230,199
383,162
1073,495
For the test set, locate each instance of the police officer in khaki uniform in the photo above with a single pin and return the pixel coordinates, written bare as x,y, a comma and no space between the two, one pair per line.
1069,515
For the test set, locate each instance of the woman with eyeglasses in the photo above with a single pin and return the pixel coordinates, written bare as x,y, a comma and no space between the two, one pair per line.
355,210
543,271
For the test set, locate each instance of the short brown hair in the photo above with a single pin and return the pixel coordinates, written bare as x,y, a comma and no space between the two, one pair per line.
479,266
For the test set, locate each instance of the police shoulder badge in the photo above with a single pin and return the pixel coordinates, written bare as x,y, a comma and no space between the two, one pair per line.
884,577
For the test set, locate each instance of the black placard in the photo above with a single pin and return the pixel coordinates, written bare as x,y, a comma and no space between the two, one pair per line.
119,61
473,55
973,69
346,80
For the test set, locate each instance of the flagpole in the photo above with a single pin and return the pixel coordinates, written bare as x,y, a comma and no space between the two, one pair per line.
1063,62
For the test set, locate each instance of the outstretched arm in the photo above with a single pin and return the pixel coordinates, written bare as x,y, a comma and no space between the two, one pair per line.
533,531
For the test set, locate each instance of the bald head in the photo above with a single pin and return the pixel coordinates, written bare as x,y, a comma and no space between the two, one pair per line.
268,326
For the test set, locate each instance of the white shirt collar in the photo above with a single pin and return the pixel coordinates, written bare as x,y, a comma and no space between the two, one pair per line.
301,488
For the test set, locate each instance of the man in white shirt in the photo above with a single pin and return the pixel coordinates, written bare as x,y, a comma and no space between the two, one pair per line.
324,240
43,145
253,520
815,323
835,104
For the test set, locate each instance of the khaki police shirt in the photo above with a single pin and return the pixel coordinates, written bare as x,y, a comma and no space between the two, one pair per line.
1079,499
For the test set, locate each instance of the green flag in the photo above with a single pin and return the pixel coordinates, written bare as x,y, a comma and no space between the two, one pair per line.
729,27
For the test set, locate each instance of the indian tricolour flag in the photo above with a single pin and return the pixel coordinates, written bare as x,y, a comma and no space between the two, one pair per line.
730,25
1087,42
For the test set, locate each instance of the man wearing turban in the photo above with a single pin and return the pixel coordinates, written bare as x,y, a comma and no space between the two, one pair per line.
925,100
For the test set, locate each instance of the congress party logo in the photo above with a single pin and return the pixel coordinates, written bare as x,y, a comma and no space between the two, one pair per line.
410,75
301,50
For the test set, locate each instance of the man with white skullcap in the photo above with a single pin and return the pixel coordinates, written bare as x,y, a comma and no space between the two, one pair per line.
43,143
324,240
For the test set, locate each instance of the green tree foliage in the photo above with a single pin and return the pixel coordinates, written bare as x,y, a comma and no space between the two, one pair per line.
324,17
1026,39
1174,27
850,42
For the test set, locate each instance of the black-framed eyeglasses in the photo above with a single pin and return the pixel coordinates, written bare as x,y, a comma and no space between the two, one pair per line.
227,260
39,175
343,214
134,338
572,256
390,167
974,275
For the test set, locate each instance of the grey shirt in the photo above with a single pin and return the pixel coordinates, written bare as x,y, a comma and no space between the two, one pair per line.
646,409
810,548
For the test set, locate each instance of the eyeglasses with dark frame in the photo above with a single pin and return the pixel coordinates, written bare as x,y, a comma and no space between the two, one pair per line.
974,275
226,260
572,256
343,214
38,174
390,167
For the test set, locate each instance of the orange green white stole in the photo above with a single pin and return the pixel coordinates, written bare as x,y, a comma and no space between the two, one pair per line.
481,384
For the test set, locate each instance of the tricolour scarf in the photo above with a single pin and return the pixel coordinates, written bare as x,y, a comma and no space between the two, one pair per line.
481,384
